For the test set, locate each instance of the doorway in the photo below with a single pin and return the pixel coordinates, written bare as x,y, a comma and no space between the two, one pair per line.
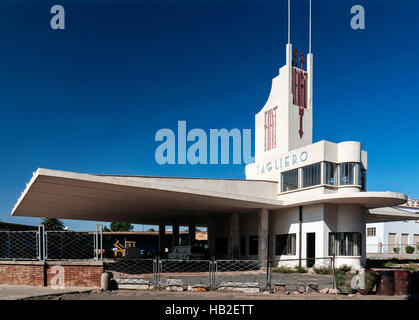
311,249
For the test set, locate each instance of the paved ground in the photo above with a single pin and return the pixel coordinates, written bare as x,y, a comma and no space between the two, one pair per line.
164,295
23,292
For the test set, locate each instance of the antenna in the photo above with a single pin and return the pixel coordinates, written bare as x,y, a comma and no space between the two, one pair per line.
309,30
289,21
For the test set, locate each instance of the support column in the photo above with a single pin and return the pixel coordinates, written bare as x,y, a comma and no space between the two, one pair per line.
300,234
175,235
234,236
211,237
263,217
162,237
192,231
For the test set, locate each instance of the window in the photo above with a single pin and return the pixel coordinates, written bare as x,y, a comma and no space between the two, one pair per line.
253,245
243,245
290,180
363,178
311,175
330,173
347,173
345,243
270,129
371,232
285,244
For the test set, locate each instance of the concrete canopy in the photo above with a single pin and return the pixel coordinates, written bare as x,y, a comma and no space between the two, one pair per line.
390,214
145,200
159,200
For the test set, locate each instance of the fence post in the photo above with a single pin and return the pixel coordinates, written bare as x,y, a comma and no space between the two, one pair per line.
268,285
159,267
212,272
45,244
333,270
214,275
95,244
40,240
97,239
101,242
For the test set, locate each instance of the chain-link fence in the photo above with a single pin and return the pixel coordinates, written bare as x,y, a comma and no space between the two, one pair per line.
189,272
19,245
228,273
133,271
69,245
51,245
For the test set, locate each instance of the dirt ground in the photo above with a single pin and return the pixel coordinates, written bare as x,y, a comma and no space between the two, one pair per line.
214,295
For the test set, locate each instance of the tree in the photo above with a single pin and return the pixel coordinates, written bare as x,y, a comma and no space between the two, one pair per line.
53,224
151,230
119,227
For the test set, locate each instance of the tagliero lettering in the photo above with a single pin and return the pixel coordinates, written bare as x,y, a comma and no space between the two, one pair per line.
283,162
197,152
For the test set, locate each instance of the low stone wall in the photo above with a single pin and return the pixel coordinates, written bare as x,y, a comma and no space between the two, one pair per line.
39,273
392,256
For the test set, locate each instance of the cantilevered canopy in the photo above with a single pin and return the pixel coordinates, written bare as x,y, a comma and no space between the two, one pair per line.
158,200
148,200
390,214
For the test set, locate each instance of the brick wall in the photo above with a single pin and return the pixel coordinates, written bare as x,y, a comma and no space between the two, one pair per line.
75,274
29,274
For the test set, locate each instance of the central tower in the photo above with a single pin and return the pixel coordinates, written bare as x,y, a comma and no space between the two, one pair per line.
285,122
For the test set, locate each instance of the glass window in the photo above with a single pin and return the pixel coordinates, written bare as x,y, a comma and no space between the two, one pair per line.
311,175
253,245
347,173
330,173
345,243
285,244
363,178
290,180
371,232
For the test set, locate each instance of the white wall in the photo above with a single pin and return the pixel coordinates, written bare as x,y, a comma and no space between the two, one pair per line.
398,227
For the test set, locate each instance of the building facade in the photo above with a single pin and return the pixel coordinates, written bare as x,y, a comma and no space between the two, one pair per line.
393,237
300,202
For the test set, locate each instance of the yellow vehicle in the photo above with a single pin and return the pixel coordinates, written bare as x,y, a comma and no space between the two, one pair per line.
120,250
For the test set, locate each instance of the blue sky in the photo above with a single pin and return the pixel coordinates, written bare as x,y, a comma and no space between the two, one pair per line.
90,98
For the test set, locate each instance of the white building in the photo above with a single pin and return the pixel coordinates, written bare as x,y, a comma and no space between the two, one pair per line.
393,237
300,200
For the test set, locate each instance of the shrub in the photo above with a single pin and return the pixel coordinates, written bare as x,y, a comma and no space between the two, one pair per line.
283,269
410,269
410,249
322,270
301,269
390,264
345,267
396,250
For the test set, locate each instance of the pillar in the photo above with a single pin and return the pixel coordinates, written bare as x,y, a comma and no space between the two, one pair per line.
211,236
175,235
162,237
191,231
263,217
234,236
